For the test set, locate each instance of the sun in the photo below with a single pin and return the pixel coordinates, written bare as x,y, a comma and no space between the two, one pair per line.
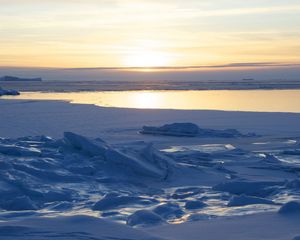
147,59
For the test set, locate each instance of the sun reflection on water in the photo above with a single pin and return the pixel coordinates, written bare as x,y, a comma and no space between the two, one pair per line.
242,100
146,100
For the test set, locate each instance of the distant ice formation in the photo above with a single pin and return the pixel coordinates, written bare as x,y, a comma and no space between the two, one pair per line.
14,79
191,130
8,92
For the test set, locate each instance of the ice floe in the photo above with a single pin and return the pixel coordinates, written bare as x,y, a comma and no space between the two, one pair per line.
191,130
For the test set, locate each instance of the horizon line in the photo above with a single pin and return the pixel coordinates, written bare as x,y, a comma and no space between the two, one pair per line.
229,65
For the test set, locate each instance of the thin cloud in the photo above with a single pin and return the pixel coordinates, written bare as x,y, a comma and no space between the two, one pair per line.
231,65
245,11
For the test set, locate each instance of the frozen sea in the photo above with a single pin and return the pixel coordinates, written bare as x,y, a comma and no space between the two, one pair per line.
150,165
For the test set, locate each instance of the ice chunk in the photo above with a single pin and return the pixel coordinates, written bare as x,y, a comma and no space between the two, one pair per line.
293,184
182,193
87,146
148,162
168,210
191,130
161,162
195,204
292,207
244,200
260,189
113,200
174,129
270,158
18,150
144,217
19,204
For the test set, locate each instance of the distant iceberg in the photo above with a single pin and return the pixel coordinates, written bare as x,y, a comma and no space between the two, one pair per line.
14,79
11,92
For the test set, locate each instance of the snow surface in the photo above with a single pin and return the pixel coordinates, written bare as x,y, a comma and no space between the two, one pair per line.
85,172
292,207
268,226
79,227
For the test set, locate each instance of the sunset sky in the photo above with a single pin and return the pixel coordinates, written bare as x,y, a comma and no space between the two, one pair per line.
137,33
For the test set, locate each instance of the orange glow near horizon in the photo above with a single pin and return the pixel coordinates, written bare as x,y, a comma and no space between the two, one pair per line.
147,59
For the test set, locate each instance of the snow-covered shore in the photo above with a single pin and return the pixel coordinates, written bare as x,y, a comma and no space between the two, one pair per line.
32,117
104,180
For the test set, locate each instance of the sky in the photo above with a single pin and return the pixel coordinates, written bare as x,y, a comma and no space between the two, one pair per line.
138,33
135,39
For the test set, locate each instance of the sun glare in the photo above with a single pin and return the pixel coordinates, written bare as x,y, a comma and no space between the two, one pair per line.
147,59
146,100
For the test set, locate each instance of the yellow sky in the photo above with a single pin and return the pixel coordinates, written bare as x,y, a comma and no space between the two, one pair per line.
129,33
